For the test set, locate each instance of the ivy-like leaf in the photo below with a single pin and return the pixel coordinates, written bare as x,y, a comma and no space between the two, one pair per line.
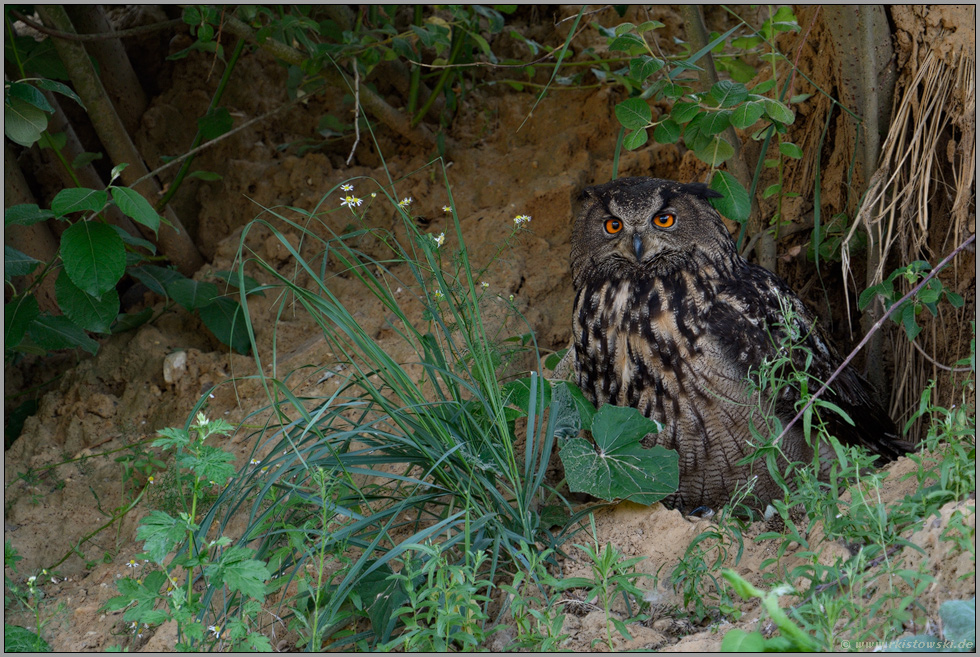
94,256
617,467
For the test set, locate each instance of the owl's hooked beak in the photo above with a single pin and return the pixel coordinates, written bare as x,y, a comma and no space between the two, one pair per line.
638,246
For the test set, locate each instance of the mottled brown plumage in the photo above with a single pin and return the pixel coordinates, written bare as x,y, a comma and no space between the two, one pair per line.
671,320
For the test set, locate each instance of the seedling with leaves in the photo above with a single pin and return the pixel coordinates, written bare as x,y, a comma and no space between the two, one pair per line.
928,297
222,564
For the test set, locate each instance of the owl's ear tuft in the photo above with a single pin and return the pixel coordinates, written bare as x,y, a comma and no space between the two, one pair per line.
588,192
701,191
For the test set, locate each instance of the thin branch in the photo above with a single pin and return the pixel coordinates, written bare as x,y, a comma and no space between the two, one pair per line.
357,113
104,36
874,329
209,144
938,364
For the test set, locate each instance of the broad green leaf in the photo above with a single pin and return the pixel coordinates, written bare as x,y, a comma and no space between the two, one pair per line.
205,175
789,149
59,88
22,122
94,256
747,114
571,409
715,122
215,123
716,152
18,314
772,190
161,533
765,86
226,319
728,93
53,332
737,640
135,241
17,263
667,132
644,66
91,313
29,94
79,199
20,639
518,393
684,112
381,595
247,282
25,215
240,572
778,112
634,113
635,139
734,202
617,466
82,160
136,207
209,463
192,294
960,622
129,321
628,43
145,593
156,278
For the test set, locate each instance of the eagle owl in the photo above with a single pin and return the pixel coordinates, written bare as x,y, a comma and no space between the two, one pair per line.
671,320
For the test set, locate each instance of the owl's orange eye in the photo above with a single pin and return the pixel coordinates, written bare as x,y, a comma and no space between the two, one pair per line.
664,220
613,226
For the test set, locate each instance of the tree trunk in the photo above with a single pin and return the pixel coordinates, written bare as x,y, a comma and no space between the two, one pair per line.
117,74
173,240
35,240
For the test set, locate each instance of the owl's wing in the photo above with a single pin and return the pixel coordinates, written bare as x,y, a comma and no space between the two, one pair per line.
763,312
